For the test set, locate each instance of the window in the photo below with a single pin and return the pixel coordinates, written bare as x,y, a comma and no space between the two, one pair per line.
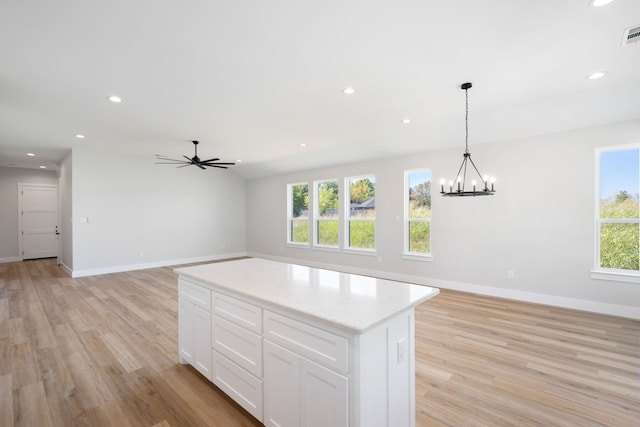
361,212
618,214
417,212
326,213
298,213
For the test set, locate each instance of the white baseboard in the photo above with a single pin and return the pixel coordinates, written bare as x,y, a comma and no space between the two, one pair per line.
552,300
155,264
66,269
10,259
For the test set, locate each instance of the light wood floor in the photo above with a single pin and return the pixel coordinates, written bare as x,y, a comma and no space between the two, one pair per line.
102,351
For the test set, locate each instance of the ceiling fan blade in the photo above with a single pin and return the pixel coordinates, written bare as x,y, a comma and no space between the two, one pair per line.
183,166
210,160
216,166
173,162
219,163
200,166
168,158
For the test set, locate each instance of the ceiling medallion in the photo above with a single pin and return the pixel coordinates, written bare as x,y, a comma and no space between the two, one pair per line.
460,189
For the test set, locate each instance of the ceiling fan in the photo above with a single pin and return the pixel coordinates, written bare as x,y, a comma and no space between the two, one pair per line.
195,160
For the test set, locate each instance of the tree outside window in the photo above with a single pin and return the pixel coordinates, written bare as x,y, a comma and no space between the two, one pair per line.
298,229
326,213
418,212
361,212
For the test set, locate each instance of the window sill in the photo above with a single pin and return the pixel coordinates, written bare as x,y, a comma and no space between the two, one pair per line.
298,245
417,257
368,252
616,276
325,248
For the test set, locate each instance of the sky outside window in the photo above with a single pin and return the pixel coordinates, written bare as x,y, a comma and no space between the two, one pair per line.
416,178
619,171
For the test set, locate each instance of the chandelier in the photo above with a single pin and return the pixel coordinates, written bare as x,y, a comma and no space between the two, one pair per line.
459,187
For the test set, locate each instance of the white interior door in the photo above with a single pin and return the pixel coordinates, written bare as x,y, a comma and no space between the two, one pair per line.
38,220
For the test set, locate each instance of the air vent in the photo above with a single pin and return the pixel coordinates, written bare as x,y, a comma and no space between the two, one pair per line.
631,35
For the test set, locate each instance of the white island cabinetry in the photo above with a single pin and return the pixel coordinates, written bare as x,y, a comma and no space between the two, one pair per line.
195,326
237,351
297,390
299,346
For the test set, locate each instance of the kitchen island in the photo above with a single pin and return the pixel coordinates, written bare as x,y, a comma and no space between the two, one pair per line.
302,346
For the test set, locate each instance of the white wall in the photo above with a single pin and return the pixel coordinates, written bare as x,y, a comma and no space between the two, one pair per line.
9,179
139,214
540,223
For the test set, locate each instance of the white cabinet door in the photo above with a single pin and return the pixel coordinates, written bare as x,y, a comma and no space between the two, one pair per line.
299,392
202,346
195,337
240,385
324,396
281,367
187,332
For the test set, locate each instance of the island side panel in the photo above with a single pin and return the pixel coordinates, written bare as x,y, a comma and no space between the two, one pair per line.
383,392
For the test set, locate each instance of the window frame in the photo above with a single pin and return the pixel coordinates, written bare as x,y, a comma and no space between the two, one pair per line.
599,272
290,217
347,248
406,253
317,219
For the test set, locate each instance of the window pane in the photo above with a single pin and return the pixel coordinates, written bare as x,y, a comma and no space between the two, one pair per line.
620,246
300,231
299,200
362,197
419,237
362,234
619,181
328,199
328,232
420,194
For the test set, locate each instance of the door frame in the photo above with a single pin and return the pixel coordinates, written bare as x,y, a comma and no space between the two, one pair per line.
59,238
20,234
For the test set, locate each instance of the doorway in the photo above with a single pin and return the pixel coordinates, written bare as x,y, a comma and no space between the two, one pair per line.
38,231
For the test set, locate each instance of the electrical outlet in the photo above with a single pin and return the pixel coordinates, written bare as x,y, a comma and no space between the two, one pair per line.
402,350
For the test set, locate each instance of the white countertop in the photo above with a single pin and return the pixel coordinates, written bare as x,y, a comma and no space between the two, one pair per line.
347,301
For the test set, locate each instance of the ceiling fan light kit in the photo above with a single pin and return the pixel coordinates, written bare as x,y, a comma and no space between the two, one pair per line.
193,161
460,189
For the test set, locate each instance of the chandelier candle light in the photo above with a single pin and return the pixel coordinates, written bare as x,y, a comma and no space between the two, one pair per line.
461,176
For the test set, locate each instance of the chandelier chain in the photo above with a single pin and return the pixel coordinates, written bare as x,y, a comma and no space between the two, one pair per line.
466,121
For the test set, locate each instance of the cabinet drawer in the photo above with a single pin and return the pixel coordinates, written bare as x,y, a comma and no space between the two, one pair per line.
198,295
239,312
241,386
238,344
316,344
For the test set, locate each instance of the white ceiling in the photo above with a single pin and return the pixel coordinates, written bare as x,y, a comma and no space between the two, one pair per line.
254,79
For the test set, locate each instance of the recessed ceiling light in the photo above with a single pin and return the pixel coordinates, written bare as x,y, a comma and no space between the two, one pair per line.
597,75
80,136
115,98
238,161
406,121
598,3
348,91
30,154
303,145
43,167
